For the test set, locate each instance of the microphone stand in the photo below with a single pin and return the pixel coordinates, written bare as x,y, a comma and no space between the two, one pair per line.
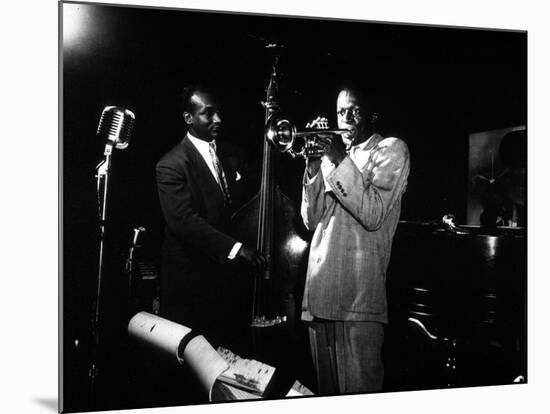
102,175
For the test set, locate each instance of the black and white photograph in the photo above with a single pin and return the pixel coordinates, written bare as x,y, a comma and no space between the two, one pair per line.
265,207
274,209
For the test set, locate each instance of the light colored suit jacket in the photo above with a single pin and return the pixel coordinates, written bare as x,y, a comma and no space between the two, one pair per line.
354,210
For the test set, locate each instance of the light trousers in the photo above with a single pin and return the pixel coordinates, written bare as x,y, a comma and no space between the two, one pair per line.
347,356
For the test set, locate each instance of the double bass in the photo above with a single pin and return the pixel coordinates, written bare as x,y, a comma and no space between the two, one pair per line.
272,222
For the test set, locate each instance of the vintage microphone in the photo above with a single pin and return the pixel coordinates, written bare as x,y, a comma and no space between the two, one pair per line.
115,126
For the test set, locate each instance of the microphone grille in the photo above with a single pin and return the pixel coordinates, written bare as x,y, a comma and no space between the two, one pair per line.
116,125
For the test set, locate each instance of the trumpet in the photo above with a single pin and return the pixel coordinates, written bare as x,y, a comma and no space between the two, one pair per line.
282,134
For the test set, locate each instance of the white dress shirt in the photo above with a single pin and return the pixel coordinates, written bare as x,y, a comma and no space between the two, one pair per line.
204,149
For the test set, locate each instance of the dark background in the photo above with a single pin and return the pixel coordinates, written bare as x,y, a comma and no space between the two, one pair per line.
434,86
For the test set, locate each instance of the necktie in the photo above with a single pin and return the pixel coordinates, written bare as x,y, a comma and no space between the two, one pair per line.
220,176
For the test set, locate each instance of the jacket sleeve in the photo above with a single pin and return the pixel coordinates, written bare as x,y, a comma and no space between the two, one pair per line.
369,195
313,200
182,218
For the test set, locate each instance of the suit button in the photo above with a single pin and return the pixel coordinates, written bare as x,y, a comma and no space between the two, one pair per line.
318,260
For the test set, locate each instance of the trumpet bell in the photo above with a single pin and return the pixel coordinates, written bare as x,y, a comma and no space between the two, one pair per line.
281,133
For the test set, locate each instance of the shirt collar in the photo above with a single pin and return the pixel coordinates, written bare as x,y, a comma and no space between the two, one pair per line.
201,145
368,143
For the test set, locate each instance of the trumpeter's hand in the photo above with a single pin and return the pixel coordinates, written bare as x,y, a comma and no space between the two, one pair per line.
313,164
333,148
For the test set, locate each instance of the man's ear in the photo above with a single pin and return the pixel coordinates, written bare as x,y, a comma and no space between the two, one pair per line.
188,118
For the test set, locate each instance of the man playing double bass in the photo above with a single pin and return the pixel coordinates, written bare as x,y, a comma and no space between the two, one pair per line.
351,199
196,186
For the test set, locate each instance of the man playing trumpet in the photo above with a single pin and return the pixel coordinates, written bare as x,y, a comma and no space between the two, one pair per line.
351,199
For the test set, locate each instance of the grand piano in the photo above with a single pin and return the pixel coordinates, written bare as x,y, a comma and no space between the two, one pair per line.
457,303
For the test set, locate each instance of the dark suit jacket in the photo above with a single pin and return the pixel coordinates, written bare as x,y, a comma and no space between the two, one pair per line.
199,287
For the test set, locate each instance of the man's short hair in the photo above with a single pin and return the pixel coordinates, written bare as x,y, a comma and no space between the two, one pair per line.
368,100
353,87
187,93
